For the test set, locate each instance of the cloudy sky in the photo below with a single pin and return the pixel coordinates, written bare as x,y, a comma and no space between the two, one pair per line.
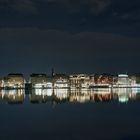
90,36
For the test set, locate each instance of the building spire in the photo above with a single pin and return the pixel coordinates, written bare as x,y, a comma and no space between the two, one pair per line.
53,73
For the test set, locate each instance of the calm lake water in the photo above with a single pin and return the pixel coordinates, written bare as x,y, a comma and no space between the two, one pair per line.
99,114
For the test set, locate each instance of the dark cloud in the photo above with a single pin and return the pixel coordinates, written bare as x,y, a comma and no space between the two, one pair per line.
21,6
120,17
94,6
31,6
98,6
127,10
24,6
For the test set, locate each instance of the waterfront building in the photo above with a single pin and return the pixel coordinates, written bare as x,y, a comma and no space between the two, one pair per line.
133,80
92,80
79,81
14,81
1,83
60,81
40,81
103,80
123,80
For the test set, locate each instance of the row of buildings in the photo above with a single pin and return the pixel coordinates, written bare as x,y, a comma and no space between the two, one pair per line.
17,81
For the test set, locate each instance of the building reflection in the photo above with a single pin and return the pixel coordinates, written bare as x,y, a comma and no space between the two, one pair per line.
101,94
41,95
80,96
13,96
58,95
125,94
61,94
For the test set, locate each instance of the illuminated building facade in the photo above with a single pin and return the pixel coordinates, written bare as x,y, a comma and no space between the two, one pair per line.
40,81
123,80
79,81
1,83
60,81
92,80
103,80
133,80
14,81
72,81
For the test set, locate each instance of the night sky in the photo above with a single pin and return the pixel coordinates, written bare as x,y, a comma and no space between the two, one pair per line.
82,36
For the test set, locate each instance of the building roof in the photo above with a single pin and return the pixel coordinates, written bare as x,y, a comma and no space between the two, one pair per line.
37,75
15,74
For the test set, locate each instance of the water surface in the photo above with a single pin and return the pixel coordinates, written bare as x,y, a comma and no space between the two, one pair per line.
99,114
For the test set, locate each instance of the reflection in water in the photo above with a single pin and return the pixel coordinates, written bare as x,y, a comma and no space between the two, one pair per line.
80,95
13,96
122,95
61,94
102,94
40,95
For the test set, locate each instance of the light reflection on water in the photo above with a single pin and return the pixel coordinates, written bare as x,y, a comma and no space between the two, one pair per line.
122,95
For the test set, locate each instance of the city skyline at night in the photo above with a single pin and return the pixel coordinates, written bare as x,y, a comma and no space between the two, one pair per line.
69,81
70,69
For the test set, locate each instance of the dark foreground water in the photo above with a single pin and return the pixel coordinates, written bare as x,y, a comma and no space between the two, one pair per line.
101,114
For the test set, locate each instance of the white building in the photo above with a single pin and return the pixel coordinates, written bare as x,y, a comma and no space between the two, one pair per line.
60,81
123,80
79,81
